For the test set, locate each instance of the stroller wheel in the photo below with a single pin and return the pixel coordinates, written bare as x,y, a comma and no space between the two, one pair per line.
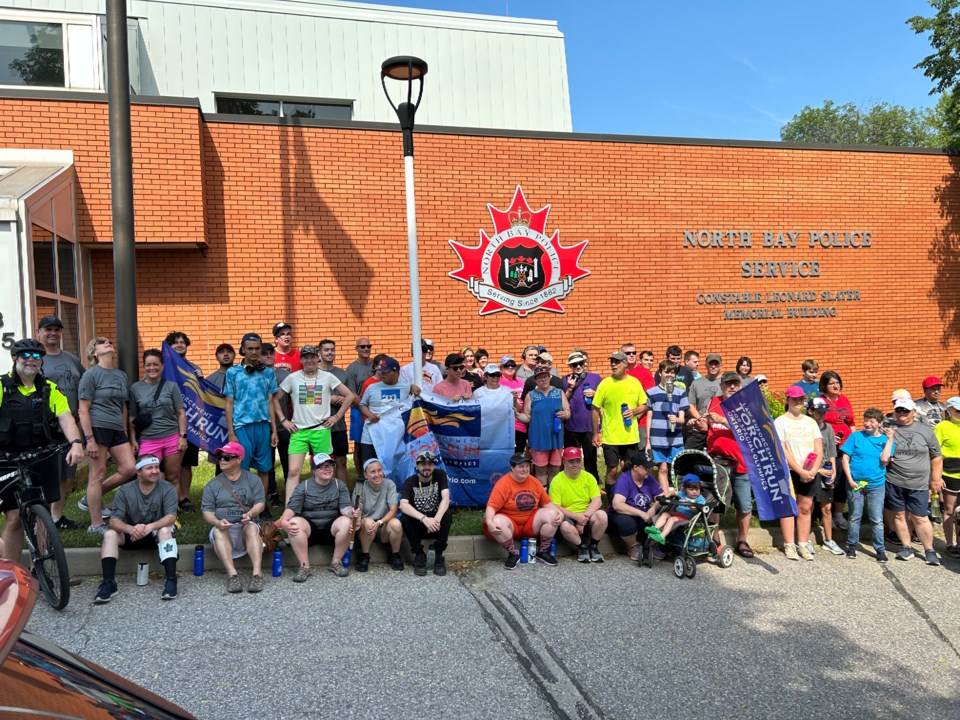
726,557
689,566
678,567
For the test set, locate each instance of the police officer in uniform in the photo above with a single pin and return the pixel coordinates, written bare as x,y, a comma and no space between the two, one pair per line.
33,414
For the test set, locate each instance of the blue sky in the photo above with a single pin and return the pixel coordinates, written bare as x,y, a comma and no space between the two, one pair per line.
723,69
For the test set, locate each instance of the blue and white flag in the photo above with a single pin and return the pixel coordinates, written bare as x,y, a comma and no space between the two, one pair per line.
202,402
752,425
474,440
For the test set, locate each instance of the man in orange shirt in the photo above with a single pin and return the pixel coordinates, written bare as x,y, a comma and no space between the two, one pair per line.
519,507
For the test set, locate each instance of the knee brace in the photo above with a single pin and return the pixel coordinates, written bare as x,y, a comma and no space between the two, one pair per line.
168,549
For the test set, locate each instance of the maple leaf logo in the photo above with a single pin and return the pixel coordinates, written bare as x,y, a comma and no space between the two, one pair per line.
518,268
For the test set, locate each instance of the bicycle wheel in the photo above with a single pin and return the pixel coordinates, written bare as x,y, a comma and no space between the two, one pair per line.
46,551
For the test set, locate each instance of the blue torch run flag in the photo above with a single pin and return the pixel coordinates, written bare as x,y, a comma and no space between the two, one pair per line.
202,401
474,440
752,425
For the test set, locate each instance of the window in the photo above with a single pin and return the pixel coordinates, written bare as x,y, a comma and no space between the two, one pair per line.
285,108
49,51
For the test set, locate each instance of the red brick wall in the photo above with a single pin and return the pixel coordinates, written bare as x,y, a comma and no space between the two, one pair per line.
308,225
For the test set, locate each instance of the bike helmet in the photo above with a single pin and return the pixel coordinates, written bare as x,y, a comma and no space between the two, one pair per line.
27,345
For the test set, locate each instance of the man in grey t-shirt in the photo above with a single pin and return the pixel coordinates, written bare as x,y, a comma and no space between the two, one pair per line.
64,370
319,511
914,472
231,504
702,391
226,356
143,518
377,515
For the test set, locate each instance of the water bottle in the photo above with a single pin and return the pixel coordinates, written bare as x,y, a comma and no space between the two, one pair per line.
345,560
557,424
532,552
553,546
588,401
277,563
627,422
524,551
198,560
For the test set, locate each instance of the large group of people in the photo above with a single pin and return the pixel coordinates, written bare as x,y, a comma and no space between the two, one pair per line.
295,402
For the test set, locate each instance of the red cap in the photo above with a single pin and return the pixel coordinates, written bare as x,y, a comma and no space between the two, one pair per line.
572,453
794,391
932,381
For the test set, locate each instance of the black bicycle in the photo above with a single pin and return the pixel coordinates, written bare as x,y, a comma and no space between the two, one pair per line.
43,539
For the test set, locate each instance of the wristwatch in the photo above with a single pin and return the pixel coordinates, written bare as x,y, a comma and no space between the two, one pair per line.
78,441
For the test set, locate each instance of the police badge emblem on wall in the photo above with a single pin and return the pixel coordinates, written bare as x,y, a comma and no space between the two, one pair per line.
519,268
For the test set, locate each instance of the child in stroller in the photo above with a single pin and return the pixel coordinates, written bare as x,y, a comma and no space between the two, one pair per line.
686,501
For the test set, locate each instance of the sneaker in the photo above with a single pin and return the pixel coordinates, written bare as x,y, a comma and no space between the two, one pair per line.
790,551
420,564
440,566
840,522
881,557
275,501
98,530
169,589
547,557
905,554
234,585
803,551
513,559
65,523
338,569
851,552
363,562
832,547
256,584
595,555
931,557
304,571
82,504
186,505
105,593
583,555
953,550
633,552
396,562
810,547
893,538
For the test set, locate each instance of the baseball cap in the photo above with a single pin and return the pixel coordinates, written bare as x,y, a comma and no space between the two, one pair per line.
729,377
321,458
905,403
546,357
714,357
794,391
541,371
453,359
507,359
954,402
761,378
267,348
900,393
225,346
280,327
426,343
572,453
690,479
518,459
576,357
250,336
49,321
309,350
619,356
426,455
491,369
389,365
231,448
931,381
818,404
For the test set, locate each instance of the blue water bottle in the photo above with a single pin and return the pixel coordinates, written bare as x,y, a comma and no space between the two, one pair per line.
524,550
345,560
588,401
557,424
553,546
277,562
198,560
627,422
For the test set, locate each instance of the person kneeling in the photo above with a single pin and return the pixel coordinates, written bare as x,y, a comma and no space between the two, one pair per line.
143,517
377,514
519,507
576,494
230,503
319,511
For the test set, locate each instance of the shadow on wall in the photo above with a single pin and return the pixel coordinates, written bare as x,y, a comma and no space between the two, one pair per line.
944,253
306,213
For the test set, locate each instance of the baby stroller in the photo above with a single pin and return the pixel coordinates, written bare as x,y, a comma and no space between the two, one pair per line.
694,539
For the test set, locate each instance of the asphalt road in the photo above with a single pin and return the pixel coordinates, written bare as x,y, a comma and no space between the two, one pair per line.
765,638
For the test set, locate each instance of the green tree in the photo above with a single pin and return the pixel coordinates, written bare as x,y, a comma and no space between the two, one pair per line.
943,65
851,124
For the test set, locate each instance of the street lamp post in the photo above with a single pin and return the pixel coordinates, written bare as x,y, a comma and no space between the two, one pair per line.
405,68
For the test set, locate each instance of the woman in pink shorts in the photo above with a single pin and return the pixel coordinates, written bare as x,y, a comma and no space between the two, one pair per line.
158,423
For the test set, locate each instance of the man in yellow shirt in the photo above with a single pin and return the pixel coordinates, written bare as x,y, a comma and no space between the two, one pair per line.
575,492
618,404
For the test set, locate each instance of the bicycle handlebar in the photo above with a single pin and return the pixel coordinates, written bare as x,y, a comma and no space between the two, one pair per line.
28,457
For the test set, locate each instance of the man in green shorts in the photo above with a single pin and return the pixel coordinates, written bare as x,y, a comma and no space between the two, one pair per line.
309,391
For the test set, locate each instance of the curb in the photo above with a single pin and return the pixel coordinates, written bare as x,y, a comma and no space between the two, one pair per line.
462,548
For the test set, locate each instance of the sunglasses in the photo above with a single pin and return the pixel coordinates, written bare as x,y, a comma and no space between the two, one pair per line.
30,355
493,375
229,457
100,341
901,411
629,352
364,347
616,362
456,367
576,365
510,366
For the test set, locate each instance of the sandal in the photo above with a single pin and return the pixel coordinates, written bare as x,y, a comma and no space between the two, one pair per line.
743,549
